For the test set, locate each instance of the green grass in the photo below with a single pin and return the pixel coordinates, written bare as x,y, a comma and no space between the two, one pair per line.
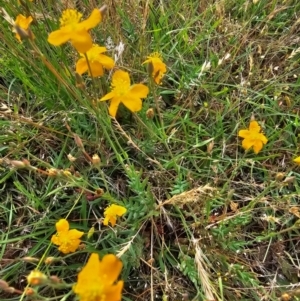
205,219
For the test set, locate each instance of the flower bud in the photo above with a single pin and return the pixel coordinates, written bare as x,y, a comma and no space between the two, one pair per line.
91,232
79,82
21,32
279,176
55,279
30,259
78,141
49,260
3,285
29,291
36,278
17,164
71,158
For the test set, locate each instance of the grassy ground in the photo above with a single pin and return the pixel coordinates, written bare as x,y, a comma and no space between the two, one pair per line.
205,220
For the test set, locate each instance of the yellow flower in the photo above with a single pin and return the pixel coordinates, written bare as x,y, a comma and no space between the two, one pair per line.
111,213
157,67
71,29
67,240
253,137
130,96
96,60
297,160
23,23
36,278
97,279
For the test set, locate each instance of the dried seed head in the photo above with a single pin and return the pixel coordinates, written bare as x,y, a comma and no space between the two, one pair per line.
150,113
99,192
103,9
3,285
30,259
210,147
49,260
18,164
289,180
79,82
279,176
96,160
71,158
53,172
21,32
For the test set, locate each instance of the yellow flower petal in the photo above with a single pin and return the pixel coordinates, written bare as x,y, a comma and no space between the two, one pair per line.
254,126
115,293
74,234
98,279
244,134
111,266
62,225
92,21
81,66
120,77
59,37
99,49
106,61
297,160
134,104
96,68
257,146
82,41
89,274
110,219
247,144
262,138
23,21
113,107
108,96
139,90
67,248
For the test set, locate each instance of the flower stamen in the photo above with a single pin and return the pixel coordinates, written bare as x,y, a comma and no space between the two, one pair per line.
70,17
